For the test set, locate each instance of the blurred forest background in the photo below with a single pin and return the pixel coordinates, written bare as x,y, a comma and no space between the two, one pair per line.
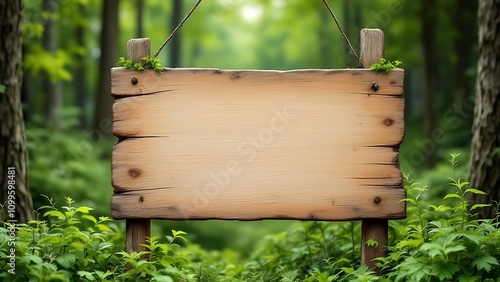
70,45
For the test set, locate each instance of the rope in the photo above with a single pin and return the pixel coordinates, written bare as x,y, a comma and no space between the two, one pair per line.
324,1
177,28
360,65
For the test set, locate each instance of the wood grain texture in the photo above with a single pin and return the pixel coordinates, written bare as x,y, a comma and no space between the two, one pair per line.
348,81
203,143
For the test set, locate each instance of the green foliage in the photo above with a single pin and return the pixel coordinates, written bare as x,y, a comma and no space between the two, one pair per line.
443,242
2,89
145,63
385,66
69,163
55,65
57,249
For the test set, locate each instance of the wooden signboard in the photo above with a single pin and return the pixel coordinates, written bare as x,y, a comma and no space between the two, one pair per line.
248,145
203,144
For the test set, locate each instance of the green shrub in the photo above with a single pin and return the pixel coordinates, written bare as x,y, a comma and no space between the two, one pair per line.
443,242
69,163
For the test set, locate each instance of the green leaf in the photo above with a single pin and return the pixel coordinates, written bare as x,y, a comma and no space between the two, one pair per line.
2,89
478,206
445,271
55,213
66,260
87,275
89,217
178,233
103,227
448,196
485,262
475,191
471,235
454,249
84,209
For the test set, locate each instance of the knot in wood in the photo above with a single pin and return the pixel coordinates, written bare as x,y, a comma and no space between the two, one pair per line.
141,199
134,172
388,121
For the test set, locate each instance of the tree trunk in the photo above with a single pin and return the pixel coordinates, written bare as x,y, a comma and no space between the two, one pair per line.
80,77
175,43
140,18
27,93
13,154
485,159
465,23
109,49
51,89
428,37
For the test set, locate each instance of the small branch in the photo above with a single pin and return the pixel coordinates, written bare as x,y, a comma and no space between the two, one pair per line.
177,28
360,65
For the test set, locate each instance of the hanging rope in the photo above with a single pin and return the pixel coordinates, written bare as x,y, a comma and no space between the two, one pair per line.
360,65
324,1
177,28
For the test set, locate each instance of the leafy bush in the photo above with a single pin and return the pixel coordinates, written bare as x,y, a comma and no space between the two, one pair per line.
69,163
442,242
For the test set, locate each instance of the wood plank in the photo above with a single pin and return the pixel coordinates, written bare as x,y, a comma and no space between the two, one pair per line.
196,113
307,203
148,163
357,81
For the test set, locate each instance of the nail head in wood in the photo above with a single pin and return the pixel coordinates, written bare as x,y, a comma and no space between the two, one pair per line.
134,80
375,86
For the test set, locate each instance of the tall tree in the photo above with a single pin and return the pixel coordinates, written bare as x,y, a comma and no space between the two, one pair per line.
140,18
175,44
109,50
465,22
485,160
428,37
13,154
80,74
51,88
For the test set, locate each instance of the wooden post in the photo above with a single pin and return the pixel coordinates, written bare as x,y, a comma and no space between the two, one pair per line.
372,49
137,230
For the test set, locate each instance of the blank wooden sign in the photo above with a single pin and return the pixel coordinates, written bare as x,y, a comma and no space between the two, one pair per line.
212,144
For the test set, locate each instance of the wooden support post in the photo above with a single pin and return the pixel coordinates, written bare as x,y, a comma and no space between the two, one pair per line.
137,230
372,49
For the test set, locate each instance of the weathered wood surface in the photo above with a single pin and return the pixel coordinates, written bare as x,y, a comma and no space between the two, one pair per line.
203,143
